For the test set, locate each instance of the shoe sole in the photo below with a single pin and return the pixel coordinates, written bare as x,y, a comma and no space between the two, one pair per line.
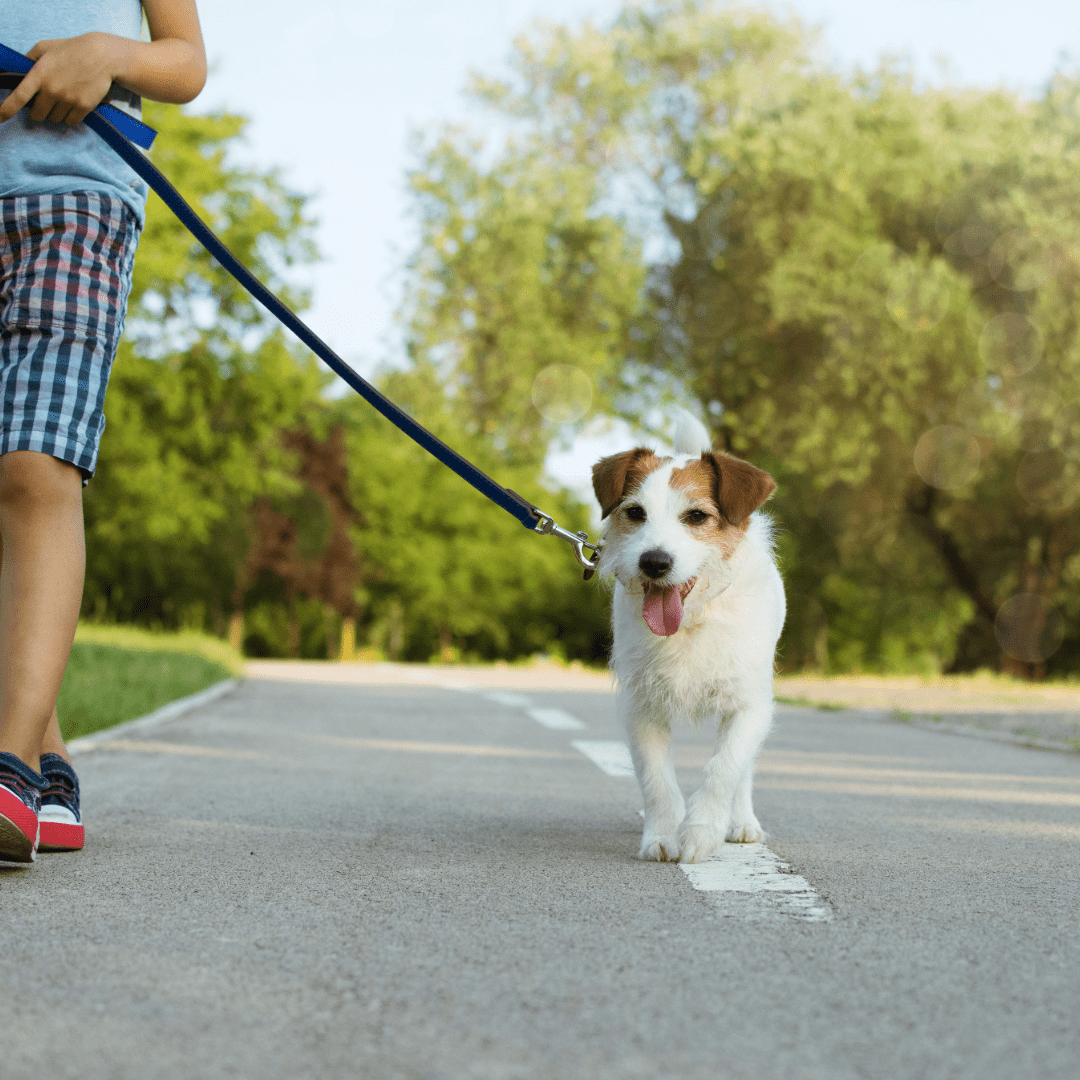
15,845
60,836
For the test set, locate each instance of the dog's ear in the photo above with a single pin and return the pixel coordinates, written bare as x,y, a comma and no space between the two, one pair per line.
740,487
613,476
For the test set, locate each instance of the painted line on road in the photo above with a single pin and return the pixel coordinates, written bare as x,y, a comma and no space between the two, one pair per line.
764,884
555,719
612,757
509,699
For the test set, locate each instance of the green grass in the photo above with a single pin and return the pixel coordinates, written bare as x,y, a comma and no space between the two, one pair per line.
117,673
806,703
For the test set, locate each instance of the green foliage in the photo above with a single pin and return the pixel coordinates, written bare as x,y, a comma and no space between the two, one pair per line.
870,285
138,639
516,270
106,685
448,568
200,391
223,484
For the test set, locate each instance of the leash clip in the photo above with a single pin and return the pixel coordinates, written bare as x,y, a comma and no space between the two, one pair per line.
578,541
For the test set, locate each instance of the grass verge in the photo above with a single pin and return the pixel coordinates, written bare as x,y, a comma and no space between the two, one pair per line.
807,703
117,673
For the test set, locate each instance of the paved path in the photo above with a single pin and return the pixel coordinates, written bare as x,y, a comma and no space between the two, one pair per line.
1028,713
319,880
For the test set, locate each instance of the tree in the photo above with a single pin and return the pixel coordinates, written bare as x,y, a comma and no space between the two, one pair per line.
869,286
202,386
450,574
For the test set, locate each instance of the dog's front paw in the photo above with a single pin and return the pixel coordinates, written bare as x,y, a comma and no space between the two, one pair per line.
659,849
746,832
698,842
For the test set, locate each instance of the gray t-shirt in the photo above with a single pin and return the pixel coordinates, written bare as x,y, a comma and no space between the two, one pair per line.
54,159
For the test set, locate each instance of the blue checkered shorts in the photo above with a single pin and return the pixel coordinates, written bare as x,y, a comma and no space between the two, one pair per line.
65,275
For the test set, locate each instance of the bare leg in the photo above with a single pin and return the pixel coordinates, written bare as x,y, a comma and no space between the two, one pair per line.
41,582
53,743
650,747
710,812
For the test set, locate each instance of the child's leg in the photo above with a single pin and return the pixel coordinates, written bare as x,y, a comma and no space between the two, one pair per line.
53,743
41,581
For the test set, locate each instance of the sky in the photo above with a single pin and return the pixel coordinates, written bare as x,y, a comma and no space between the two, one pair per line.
334,88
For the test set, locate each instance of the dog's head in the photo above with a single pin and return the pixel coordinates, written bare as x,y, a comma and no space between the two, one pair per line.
673,524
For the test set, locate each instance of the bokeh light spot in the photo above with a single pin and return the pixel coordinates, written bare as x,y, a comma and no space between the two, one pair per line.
1045,480
1023,261
918,297
947,457
562,393
1029,628
1010,344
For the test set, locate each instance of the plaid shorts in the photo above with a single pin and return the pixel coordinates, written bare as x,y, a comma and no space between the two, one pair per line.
65,275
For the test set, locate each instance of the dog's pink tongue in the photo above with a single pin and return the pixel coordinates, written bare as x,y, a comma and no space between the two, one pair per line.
662,610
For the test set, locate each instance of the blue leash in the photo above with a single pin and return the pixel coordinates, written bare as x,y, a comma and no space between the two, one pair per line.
120,131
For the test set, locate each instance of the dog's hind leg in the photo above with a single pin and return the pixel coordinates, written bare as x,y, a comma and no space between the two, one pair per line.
723,800
650,747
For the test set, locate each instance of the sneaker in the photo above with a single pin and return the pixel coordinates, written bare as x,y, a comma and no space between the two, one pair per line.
60,825
20,801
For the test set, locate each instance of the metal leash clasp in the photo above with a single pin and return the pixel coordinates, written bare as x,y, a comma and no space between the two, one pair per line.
578,541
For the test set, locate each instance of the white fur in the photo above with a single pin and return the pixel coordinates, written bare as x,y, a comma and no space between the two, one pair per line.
717,667
691,436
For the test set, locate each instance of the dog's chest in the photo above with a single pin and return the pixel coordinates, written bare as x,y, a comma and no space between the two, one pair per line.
699,671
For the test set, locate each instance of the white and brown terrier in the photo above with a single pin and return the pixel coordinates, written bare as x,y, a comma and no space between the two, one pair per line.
698,608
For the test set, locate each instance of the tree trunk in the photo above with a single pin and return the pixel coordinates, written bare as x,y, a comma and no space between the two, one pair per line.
395,631
293,645
236,631
920,508
348,639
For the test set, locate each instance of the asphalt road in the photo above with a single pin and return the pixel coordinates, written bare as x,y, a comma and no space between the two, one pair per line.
326,881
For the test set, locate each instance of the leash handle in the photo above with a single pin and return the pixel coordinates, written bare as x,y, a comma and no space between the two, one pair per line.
138,132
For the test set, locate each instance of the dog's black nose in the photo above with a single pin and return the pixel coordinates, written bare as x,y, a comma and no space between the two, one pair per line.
655,563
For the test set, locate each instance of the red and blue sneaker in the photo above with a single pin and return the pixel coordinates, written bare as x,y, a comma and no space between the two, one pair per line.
20,801
60,824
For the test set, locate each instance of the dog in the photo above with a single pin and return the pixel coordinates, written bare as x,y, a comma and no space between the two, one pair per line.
697,610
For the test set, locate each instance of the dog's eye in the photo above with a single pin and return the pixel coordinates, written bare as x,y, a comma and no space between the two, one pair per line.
635,513
695,517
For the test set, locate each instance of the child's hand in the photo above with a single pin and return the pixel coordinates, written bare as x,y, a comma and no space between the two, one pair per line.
70,78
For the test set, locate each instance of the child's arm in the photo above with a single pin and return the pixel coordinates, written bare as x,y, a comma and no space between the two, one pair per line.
72,76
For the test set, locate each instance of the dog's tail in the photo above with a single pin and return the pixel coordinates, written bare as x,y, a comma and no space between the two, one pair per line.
690,434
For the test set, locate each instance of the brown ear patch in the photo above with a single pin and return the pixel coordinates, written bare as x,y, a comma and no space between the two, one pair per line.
740,487
613,477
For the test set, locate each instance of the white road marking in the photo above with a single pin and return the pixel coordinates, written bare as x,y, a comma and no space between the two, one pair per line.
759,875
505,697
612,757
556,719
